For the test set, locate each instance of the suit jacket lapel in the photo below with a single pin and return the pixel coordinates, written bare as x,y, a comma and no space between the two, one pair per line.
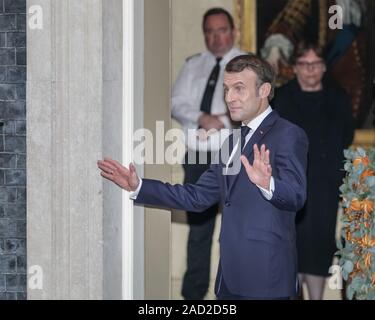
256,138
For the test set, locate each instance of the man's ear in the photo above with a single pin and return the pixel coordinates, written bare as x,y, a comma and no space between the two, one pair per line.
265,90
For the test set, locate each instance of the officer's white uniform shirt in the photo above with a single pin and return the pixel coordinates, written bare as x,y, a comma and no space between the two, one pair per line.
188,92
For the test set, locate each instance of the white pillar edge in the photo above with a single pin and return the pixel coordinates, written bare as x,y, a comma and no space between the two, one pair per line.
127,150
133,281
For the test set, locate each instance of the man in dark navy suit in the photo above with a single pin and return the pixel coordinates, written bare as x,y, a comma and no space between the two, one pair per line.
260,199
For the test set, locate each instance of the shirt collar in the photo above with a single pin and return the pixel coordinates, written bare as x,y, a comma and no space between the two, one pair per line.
255,123
225,58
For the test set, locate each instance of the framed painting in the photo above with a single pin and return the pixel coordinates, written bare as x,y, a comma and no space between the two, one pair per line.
253,19
305,19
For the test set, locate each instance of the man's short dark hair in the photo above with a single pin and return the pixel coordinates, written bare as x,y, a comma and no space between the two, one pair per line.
264,71
215,11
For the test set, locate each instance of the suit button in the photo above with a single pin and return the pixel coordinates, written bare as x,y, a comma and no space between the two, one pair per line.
227,204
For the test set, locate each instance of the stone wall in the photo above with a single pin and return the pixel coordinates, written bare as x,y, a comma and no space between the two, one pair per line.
12,149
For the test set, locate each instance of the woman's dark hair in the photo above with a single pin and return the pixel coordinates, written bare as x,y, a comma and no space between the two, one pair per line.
303,47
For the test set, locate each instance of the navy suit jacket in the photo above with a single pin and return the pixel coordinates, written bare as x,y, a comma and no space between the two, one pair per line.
257,237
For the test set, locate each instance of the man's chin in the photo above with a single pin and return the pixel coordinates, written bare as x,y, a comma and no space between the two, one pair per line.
235,117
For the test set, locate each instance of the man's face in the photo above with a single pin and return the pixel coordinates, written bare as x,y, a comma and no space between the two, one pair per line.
309,70
218,35
242,96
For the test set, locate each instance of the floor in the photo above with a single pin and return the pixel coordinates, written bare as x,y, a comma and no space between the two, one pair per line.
176,287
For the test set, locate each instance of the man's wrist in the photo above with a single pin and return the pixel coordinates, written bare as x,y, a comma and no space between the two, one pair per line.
266,184
268,192
134,195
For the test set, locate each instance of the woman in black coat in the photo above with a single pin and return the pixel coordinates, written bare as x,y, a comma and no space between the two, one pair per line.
323,110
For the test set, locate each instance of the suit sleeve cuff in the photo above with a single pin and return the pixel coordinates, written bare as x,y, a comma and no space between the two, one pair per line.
268,194
134,195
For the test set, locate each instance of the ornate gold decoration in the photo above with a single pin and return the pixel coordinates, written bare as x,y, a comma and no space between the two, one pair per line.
246,20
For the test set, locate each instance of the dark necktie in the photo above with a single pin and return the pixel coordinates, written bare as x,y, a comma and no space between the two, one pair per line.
210,88
244,132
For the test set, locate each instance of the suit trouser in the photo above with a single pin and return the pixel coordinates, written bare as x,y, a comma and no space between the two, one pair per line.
222,292
201,227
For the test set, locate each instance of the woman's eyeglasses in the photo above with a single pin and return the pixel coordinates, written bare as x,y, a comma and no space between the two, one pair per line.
310,65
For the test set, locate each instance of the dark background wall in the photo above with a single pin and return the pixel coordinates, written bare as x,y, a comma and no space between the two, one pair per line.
12,149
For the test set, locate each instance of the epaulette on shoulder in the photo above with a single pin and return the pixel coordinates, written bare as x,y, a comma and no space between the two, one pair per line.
193,56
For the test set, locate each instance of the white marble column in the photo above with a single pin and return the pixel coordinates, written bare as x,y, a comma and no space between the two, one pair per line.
82,232
64,141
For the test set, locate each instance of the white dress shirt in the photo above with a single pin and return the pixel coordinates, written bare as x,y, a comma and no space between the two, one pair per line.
188,92
253,124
